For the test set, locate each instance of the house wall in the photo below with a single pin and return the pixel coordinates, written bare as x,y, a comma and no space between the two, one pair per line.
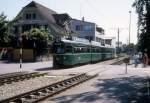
31,11
34,20
83,29
27,55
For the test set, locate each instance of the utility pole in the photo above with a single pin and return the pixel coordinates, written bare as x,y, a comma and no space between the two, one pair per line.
118,41
129,30
118,37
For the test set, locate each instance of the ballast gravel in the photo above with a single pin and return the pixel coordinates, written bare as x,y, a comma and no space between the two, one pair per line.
16,88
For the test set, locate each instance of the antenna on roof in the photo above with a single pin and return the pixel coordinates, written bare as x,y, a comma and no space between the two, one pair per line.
83,18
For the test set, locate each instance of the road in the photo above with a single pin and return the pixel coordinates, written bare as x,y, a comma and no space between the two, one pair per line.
111,86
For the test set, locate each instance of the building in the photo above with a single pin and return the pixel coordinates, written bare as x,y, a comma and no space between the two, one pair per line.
90,31
35,15
82,29
87,30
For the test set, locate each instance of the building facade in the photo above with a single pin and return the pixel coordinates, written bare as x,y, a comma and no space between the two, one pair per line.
87,30
35,15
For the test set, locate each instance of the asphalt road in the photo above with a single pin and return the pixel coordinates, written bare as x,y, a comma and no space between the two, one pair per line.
111,86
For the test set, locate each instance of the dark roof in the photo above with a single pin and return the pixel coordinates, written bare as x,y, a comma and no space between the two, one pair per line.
61,18
45,12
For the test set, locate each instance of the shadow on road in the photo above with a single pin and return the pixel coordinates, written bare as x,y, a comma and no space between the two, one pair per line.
122,90
45,69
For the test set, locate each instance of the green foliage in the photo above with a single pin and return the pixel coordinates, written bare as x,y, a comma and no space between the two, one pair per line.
38,39
143,11
38,34
4,37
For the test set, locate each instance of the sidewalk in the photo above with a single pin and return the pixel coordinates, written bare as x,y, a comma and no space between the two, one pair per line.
35,66
15,67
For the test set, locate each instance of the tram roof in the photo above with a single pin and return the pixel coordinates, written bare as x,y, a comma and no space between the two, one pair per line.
76,42
93,43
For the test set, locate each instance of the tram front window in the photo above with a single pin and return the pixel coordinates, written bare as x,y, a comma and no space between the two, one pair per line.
59,50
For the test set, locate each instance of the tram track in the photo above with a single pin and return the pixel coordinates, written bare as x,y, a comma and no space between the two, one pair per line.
40,94
18,76
45,92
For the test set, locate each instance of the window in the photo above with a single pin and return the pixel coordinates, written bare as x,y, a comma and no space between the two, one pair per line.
68,49
28,16
88,28
79,27
103,42
34,16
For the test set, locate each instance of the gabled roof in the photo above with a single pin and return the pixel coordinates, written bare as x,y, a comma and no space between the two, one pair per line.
45,12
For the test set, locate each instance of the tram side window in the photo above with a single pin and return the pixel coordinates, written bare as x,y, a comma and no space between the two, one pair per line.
88,50
108,50
77,50
93,50
99,50
103,50
68,49
83,49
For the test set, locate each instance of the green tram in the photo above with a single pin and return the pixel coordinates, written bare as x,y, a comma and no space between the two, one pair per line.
67,53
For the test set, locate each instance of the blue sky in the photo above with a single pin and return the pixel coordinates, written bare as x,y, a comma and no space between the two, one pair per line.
109,14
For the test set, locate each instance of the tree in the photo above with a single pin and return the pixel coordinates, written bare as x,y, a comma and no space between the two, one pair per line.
37,39
4,36
143,11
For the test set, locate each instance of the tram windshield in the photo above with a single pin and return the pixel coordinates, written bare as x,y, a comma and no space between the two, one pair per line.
58,48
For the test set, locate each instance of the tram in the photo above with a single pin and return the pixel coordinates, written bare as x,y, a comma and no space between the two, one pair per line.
67,53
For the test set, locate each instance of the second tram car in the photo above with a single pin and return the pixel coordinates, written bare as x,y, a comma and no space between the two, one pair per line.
68,53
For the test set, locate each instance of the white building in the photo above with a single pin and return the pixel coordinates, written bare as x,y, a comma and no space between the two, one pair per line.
90,31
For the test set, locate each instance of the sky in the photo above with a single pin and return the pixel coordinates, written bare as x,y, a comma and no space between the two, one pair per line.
108,14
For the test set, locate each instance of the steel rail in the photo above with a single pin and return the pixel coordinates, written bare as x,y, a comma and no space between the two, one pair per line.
40,94
19,77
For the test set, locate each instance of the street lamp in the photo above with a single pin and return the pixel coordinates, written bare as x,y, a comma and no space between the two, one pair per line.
129,28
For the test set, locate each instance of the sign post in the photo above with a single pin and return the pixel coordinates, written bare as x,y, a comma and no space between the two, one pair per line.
126,61
20,53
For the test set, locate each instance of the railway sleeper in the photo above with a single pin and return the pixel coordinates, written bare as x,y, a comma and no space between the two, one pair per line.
57,88
20,100
42,93
48,90
25,100
33,96
51,90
